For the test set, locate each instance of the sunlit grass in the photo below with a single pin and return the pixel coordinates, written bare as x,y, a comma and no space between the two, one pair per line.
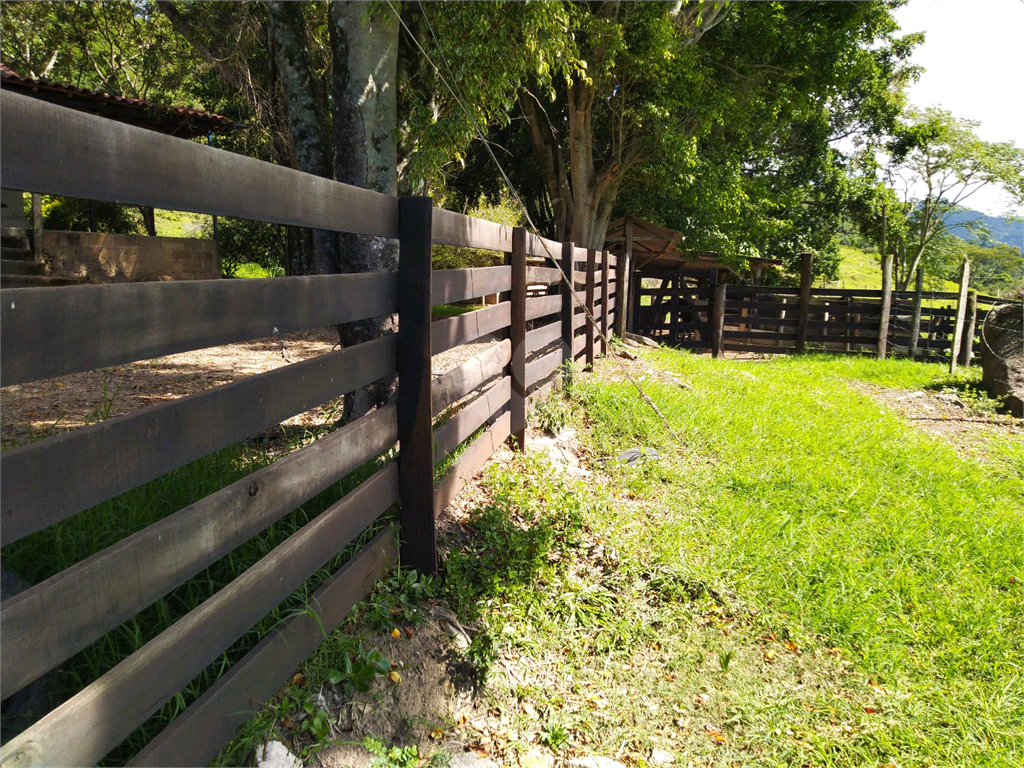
843,589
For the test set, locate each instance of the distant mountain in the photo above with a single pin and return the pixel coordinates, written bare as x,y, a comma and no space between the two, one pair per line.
1001,232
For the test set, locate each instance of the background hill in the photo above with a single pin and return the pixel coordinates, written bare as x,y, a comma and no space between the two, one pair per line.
1011,233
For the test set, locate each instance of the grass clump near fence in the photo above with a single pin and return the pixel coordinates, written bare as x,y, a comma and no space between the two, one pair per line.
807,579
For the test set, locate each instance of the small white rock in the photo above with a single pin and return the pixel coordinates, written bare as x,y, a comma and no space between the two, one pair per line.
274,754
662,757
595,761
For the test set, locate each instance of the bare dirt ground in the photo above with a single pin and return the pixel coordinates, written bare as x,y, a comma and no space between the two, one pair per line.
945,415
42,408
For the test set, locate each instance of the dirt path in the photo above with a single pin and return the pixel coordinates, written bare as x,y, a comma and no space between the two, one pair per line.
945,415
42,408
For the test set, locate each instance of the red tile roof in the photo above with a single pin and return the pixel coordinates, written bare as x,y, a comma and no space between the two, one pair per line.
177,121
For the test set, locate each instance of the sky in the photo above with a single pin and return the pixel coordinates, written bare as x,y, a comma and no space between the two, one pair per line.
972,60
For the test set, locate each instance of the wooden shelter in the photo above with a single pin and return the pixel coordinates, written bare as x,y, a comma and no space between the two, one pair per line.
663,280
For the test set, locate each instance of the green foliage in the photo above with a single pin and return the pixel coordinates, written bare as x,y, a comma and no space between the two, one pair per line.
938,161
241,241
359,669
72,215
501,211
396,600
552,415
391,757
997,270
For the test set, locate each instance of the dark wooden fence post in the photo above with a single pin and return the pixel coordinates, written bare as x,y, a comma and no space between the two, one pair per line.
37,228
416,458
591,267
517,334
915,324
622,277
805,302
568,305
604,303
967,339
718,320
886,303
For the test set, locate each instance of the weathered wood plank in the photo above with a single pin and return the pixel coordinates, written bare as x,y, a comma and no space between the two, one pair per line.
462,425
198,734
129,693
45,482
541,246
542,366
542,306
104,590
453,331
579,345
454,385
450,228
450,285
469,463
56,331
543,275
541,337
102,159
415,341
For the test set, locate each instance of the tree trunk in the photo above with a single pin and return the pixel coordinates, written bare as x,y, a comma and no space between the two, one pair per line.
365,154
307,114
149,219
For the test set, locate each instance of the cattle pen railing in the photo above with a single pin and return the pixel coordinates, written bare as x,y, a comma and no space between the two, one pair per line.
781,320
51,332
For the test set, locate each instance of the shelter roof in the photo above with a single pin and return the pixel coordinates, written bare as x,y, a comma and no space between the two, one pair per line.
182,122
656,248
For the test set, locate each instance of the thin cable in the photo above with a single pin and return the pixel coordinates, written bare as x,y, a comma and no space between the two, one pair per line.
533,227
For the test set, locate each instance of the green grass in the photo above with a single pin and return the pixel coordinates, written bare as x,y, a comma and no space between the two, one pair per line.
180,223
806,580
860,269
442,311
255,271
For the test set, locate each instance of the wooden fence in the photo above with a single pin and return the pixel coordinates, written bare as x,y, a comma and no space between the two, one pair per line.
48,332
779,320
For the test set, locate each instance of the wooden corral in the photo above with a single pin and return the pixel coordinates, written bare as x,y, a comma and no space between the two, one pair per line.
49,332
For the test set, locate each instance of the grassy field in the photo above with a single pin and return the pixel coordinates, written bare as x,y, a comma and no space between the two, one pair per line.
860,269
804,579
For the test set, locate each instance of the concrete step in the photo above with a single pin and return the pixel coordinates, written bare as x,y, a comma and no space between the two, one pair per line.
18,267
16,254
36,281
13,237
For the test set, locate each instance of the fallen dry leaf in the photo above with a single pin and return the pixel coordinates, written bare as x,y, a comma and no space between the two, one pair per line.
396,633
395,677
769,655
791,646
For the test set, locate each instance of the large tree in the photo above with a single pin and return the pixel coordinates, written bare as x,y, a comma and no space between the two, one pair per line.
935,163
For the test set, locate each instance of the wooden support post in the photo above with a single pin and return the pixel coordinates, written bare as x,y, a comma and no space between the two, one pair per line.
884,309
568,306
415,438
604,303
591,266
849,319
805,303
967,339
961,313
718,320
517,333
625,318
37,228
915,325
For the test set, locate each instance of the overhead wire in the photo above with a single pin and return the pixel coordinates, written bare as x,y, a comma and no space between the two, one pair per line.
522,205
